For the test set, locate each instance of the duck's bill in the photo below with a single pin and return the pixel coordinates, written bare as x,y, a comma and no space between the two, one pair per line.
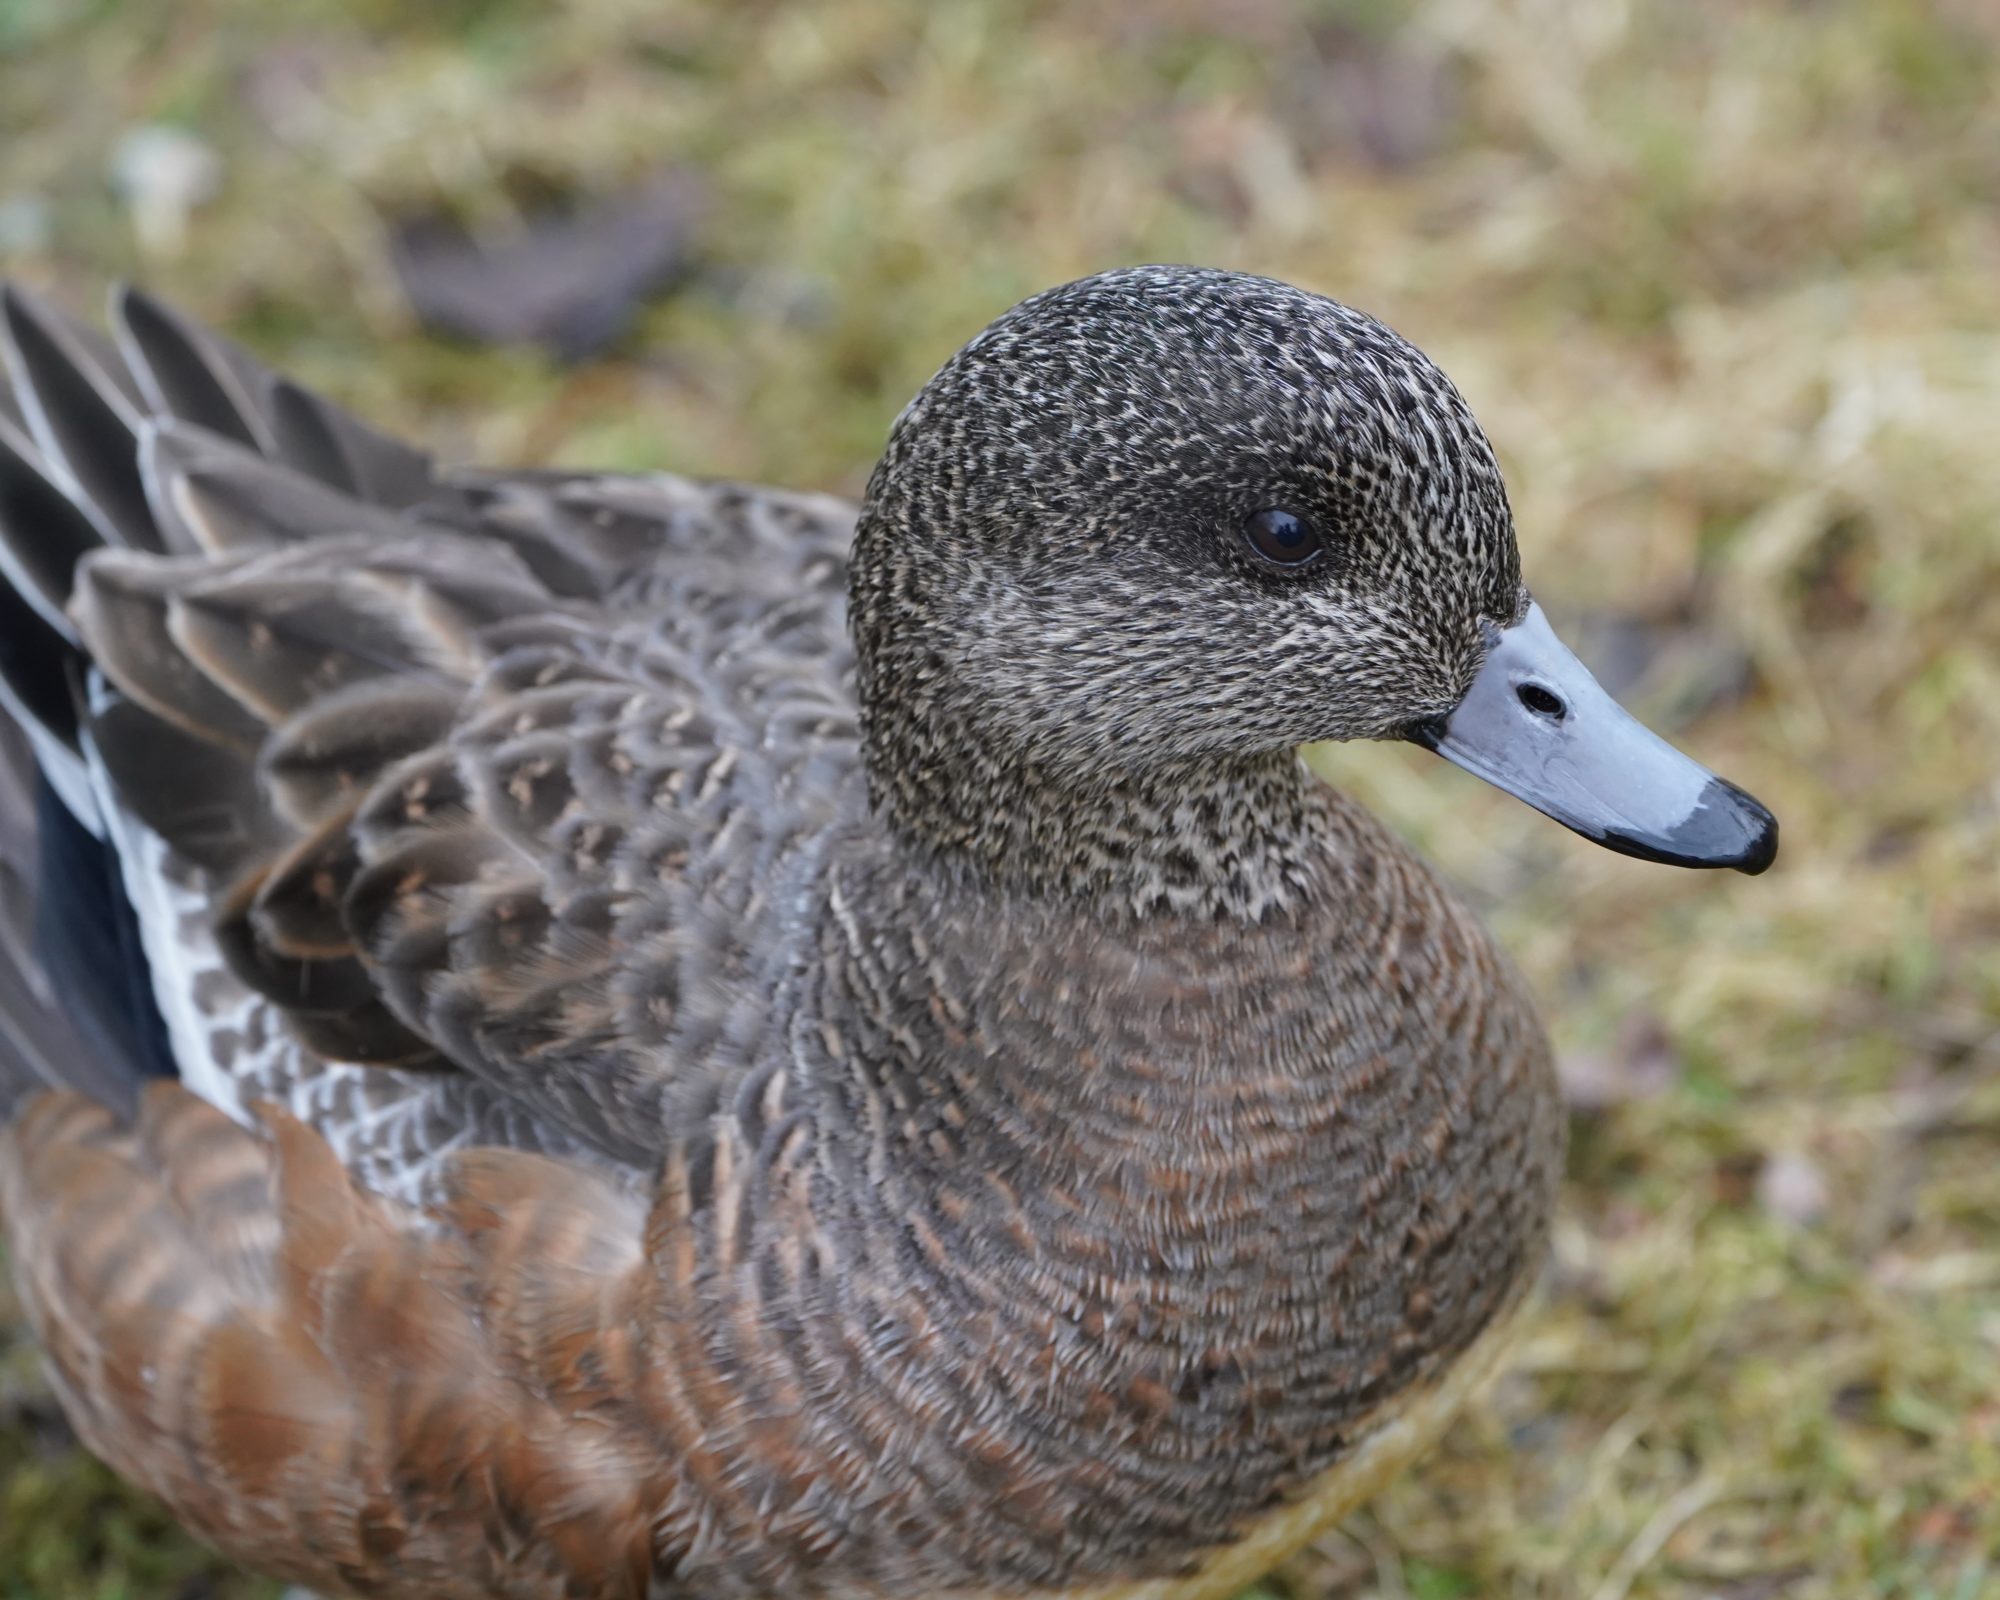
1537,724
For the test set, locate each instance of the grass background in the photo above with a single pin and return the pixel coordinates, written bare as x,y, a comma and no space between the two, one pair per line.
1722,279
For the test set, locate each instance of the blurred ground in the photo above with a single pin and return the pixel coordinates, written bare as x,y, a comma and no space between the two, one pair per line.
1723,281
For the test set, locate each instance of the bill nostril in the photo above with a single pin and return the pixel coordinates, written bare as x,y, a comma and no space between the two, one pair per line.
1541,702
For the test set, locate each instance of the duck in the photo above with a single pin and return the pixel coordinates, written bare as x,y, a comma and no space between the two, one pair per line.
610,1035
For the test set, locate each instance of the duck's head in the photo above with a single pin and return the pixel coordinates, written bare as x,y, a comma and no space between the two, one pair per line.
1171,515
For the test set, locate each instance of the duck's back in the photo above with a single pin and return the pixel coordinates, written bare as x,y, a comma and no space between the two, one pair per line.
456,809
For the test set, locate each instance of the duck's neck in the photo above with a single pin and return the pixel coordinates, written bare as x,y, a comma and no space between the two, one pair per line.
1236,837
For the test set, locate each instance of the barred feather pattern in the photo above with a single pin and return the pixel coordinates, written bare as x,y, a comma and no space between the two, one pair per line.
616,1155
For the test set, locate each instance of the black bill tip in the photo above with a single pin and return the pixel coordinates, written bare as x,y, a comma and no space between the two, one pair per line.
1535,723
1727,828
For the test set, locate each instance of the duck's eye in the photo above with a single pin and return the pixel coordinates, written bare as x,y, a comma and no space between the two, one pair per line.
1283,538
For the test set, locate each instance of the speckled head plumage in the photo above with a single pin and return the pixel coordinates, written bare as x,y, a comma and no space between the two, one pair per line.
1052,547
1076,668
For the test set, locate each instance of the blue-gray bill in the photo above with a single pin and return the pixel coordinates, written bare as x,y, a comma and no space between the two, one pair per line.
1537,724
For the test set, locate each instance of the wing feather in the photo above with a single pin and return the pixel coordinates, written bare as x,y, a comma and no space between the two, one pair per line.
84,411
469,773
467,819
